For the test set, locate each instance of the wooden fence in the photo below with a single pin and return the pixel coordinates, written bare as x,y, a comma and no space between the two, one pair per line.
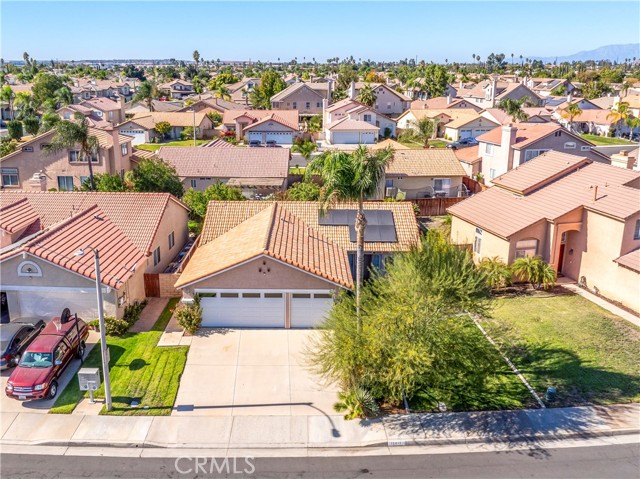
435,206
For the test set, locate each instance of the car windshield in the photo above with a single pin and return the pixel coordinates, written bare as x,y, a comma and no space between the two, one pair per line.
36,360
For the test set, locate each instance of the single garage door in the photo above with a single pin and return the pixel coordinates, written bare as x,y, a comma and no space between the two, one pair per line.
465,134
138,136
242,309
281,138
47,304
309,309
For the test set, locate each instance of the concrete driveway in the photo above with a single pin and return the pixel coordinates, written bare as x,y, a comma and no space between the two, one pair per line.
251,373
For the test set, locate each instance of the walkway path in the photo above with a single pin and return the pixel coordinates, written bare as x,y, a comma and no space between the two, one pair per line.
632,318
149,315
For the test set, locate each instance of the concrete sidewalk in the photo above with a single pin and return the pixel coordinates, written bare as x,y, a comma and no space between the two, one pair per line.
313,432
612,308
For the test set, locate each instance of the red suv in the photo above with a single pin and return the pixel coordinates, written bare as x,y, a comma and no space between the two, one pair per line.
47,357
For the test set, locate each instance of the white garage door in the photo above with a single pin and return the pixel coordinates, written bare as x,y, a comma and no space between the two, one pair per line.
47,304
243,309
309,309
465,134
138,136
281,138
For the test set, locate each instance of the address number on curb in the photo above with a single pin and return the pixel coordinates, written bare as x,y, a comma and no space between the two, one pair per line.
396,443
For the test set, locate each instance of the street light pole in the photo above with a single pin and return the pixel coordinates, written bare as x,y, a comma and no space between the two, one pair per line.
103,334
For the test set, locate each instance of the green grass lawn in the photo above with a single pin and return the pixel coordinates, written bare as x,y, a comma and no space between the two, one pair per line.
416,144
139,370
297,170
605,140
587,353
157,146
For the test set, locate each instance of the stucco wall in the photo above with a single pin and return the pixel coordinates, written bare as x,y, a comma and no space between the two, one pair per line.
415,187
463,232
175,219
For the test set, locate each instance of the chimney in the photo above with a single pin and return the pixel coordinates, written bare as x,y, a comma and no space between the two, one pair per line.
494,85
507,140
616,100
117,152
122,110
325,103
461,86
595,193
38,181
352,91
449,99
329,92
569,97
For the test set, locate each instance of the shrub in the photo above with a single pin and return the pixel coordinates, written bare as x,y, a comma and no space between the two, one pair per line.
132,312
14,128
190,316
114,326
95,324
186,133
357,402
497,273
534,270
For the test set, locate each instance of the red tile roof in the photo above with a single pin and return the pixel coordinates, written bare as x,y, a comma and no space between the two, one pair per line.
119,256
469,155
630,260
137,215
290,116
278,119
17,216
527,133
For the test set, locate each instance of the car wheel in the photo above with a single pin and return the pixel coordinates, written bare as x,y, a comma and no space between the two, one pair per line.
15,359
81,349
53,389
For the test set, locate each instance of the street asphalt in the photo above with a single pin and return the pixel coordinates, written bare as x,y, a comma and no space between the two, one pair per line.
619,461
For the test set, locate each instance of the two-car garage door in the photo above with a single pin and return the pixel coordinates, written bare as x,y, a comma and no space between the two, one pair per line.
264,309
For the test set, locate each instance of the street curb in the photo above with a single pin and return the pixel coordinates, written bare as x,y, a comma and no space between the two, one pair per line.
396,444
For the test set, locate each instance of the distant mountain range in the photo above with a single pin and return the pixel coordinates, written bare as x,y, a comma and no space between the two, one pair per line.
610,52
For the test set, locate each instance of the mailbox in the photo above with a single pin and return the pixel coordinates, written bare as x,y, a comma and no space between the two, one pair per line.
89,379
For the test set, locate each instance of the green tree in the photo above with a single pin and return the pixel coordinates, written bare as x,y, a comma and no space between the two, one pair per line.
534,270
75,135
595,89
303,191
270,84
146,92
25,105
14,128
45,87
31,125
198,201
162,128
436,79
569,112
221,91
351,177
513,108
367,95
620,113
154,175
7,95
305,148
49,120
315,123
215,117
7,145
105,182
196,57
423,129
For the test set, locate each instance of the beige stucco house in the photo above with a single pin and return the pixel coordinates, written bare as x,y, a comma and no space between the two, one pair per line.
580,216
31,168
299,96
142,126
136,234
279,127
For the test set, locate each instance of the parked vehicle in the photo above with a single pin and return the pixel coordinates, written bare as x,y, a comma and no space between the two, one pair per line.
15,337
463,143
254,144
46,358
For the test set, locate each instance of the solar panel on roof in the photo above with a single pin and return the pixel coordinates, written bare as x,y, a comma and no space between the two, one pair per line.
340,217
375,234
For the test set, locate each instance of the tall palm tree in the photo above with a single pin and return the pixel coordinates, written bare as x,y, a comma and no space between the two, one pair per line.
196,57
513,108
75,134
306,149
569,112
25,105
423,130
352,177
147,91
367,96
222,91
619,113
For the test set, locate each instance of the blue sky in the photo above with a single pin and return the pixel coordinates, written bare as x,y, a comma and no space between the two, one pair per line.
268,30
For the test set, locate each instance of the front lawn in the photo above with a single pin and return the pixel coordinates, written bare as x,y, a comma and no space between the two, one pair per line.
587,353
436,143
157,146
140,371
605,140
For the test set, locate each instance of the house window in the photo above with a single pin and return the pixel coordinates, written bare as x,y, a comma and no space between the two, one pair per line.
66,115
477,242
98,112
44,146
172,240
83,180
27,148
492,173
110,115
488,149
307,105
65,183
388,183
295,104
367,118
557,133
194,183
570,145
10,177
585,148
75,157
319,105
636,234
442,184
29,269
125,149
156,256
526,248
531,154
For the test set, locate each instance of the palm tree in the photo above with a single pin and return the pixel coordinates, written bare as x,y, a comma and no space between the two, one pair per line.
367,96
534,270
75,134
497,273
349,177
196,57
305,148
8,95
25,105
619,113
147,91
423,130
222,91
569,112
513,108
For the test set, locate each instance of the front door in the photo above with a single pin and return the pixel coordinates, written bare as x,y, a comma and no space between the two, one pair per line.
4,308
563,242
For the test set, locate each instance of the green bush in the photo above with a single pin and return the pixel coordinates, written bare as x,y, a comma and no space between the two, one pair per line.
132,312
190,316
14,128
357,402
114,326
187,133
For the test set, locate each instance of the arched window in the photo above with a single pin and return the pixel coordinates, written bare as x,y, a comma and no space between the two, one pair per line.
29,269
526,248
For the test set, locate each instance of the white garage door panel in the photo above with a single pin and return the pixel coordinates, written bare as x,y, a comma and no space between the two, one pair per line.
280,138
465,134
309,312
242,312
51,303
138,136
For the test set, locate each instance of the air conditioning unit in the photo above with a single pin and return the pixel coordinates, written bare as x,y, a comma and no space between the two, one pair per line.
391,191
